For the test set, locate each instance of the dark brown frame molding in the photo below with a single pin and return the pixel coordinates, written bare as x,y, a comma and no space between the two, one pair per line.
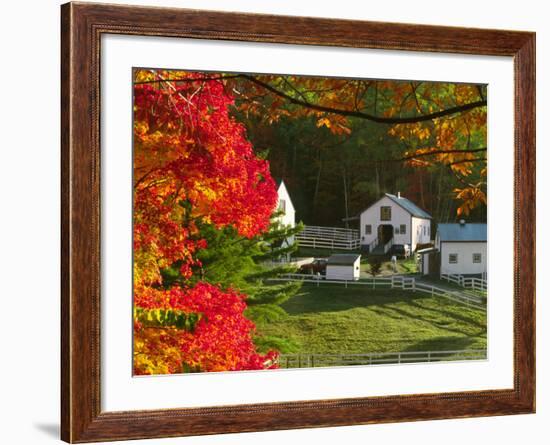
81,28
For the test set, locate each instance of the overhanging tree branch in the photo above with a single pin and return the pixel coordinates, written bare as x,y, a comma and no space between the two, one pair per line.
436,152
332,110
363,115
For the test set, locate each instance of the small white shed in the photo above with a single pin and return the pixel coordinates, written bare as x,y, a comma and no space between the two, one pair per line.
344,267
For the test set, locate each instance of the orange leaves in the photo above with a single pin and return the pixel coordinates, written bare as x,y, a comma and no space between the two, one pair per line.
335,123
471,197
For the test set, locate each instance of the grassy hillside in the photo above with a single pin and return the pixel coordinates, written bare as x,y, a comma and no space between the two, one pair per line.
333,319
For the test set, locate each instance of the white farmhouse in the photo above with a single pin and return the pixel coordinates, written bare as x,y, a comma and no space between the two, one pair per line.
394,220
462,248
284,205
343,267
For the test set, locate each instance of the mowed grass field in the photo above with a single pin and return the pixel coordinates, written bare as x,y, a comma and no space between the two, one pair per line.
332,319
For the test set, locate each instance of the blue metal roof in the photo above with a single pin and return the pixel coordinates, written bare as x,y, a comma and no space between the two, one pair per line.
409,206
462,232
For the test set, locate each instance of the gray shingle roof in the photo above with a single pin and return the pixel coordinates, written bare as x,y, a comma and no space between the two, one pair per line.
462,232
409,206
343,259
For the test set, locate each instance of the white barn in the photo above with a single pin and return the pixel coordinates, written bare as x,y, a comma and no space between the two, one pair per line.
284,205
462,248
394,220
344,267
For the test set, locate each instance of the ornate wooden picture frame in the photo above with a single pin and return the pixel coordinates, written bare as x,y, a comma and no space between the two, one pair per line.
82,26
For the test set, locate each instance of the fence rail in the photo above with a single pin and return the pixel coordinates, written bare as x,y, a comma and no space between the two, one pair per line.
333,232
327,243
395,281
466,282
329,238
378,358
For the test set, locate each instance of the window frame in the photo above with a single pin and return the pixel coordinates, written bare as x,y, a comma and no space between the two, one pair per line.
385,209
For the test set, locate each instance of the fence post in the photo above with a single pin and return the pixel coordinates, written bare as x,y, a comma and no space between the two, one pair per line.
414,285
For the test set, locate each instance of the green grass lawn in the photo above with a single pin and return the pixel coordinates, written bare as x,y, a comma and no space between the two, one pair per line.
333,319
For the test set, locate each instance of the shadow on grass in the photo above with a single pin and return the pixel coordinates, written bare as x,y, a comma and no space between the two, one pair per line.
443,344
326,298
453,314
438,323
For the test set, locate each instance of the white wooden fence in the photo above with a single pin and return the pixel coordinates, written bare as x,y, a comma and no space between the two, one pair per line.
466,282
396,281
329,238
320,360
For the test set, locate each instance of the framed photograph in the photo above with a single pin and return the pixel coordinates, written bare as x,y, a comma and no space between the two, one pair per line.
274,222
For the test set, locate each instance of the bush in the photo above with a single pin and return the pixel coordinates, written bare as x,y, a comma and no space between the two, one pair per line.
375,264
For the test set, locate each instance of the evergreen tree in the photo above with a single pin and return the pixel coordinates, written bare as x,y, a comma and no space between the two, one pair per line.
244,264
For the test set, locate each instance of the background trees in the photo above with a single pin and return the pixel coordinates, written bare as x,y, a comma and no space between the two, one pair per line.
340,143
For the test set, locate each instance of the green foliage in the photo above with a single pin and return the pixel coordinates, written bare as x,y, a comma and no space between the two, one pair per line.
166,318
231,261
265,313
270,342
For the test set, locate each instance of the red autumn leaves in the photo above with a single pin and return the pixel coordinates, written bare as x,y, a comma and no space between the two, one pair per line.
192,165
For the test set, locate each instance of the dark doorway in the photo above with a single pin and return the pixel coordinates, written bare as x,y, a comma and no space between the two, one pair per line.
385,233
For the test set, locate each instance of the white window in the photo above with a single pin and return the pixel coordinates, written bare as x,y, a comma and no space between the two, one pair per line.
403,229
453,258
282,205
476,258
396,231
368,229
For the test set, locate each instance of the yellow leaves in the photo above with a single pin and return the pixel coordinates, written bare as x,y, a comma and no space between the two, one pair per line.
324,121
153,354
335,123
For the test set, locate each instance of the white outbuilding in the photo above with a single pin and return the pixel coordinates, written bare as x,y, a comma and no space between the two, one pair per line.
284,205
394,220
344,267
288,214
462,248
